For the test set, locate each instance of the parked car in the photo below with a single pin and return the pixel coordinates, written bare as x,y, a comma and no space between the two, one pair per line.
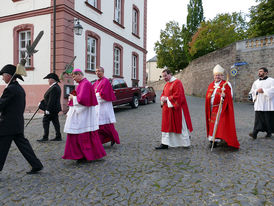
125,94
147,95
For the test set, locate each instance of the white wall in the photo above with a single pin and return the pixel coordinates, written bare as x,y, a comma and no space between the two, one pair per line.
41,59
106,60
106,18
8,7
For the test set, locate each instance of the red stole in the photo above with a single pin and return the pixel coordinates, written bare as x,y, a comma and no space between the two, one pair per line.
226,128
172,117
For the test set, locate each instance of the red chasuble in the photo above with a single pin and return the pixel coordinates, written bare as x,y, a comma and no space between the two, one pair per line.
226,128
172,117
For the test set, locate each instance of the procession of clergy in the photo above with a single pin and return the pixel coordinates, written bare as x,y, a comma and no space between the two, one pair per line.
90,119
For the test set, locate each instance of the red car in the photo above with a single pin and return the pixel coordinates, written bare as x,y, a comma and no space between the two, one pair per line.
147,95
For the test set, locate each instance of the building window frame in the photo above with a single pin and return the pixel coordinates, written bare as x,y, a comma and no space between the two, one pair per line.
135,21
16,44
117,60
118,18
96,7
97,51
135,66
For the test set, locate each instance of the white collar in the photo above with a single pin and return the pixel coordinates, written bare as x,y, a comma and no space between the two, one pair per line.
217,83
172,79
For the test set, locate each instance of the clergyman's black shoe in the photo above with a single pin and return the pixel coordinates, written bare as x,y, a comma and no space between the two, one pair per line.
56,139
162,146
34,171
112,143
43,139
268,135
252,135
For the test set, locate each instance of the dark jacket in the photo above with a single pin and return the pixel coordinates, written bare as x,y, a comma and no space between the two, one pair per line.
12,106
51,101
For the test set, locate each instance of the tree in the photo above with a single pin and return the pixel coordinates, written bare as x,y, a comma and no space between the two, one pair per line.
261,19
169,49
214,34
195,15
194,18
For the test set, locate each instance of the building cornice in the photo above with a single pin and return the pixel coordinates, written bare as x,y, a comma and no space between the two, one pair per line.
65,8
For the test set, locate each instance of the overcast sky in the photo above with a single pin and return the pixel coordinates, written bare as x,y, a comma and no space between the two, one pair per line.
162,11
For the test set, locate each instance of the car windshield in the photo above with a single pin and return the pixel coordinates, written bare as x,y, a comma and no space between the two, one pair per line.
144,90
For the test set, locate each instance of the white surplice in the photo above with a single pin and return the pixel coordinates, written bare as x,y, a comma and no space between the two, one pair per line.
104,111
173,139
263,101
80,119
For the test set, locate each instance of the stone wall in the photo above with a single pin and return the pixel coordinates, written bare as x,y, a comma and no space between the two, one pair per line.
258,52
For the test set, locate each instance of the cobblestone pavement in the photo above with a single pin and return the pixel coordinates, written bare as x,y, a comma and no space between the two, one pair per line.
133,173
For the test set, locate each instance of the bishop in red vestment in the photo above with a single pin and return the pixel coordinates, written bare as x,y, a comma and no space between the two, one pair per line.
225,128
176,122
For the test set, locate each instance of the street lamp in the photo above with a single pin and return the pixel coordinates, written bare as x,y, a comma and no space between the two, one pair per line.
78,29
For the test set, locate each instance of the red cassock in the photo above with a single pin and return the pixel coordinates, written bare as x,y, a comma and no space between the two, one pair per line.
172,117
226,128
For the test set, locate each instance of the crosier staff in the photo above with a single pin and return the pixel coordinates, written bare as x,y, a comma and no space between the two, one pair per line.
219,111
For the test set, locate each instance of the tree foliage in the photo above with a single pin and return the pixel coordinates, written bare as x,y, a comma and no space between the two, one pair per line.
194,18
195,15
169,49
214,34
261,19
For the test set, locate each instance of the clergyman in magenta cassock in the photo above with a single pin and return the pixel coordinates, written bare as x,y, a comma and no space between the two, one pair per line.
105,96
81,125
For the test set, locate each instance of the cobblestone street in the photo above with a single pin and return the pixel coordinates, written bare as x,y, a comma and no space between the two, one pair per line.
134,173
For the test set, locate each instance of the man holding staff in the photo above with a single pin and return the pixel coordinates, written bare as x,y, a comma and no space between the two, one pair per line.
220,123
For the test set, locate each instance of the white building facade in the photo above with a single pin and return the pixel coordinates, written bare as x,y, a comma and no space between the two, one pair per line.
114,37
154,73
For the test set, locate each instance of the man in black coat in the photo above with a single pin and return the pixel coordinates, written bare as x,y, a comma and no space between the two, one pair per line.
12,106
51,106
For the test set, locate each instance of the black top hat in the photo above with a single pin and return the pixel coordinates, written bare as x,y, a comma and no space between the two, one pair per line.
52,76
10,69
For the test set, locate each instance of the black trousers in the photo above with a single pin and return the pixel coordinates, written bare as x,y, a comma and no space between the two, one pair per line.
55,121
24,147
264,122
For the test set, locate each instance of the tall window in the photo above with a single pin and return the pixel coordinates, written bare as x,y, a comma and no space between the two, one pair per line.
91,53
24,41
93,3
134,67
117,63
118,11
135,20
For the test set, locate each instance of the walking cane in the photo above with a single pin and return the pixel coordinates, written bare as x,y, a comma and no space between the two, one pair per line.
32,117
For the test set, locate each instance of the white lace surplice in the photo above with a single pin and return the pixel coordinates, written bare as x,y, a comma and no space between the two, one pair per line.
81,119
104,111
